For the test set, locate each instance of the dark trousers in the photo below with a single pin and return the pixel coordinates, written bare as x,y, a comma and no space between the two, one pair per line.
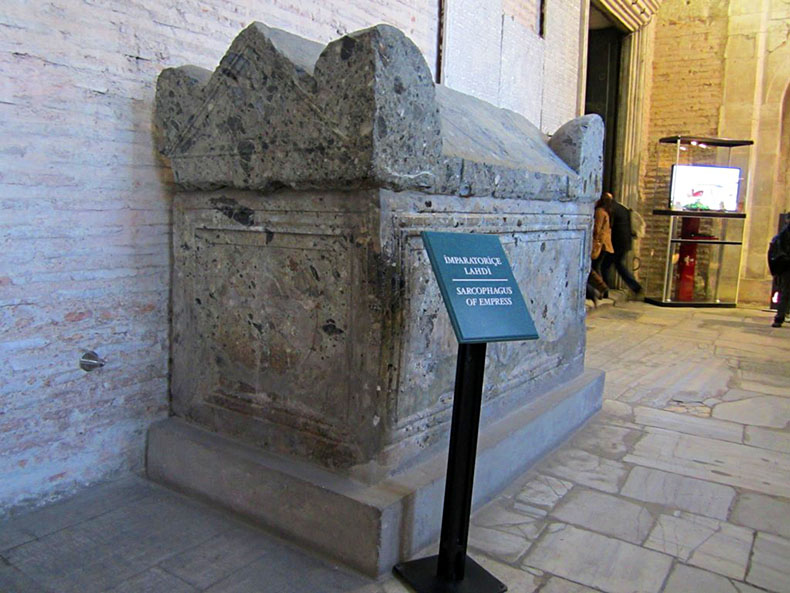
783,285
601,263
618,261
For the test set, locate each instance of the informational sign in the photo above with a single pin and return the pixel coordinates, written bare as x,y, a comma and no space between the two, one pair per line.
478,288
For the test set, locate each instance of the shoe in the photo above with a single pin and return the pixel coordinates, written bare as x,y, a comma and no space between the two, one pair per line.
594,295
776,324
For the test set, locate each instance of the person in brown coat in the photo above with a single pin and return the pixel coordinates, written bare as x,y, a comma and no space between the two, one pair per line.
602,249
622,241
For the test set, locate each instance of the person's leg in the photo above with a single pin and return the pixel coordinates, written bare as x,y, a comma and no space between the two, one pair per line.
592,293
597,282
627,277
607,274
783,283
597,262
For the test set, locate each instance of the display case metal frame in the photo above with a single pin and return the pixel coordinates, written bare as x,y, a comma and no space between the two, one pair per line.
674,215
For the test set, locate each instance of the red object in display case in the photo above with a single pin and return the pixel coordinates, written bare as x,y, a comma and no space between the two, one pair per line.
687,258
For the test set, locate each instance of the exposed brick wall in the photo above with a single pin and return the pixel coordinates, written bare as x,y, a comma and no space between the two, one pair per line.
685,98
85,216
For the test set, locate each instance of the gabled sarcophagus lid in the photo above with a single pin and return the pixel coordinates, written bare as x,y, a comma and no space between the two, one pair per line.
363,111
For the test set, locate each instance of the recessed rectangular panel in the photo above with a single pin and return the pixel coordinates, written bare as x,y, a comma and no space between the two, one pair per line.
275,320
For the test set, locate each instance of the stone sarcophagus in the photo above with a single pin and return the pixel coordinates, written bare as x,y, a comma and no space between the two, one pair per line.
313,360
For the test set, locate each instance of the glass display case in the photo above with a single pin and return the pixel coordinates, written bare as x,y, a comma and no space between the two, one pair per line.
703,258
706,203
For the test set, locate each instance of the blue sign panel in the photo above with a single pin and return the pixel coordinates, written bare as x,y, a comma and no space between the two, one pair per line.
478,287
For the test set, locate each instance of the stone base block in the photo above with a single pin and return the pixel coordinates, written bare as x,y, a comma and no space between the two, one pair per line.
754,292
369,527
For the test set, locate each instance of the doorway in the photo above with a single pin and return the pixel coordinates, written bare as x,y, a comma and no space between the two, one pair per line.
604,47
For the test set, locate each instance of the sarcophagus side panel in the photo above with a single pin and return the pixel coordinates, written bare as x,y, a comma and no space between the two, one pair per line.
275,321
548,249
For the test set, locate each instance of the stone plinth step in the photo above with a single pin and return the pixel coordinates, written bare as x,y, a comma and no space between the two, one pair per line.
369,527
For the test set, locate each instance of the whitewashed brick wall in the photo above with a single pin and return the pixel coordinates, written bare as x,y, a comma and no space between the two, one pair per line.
494,51
84,216
561,63
85,202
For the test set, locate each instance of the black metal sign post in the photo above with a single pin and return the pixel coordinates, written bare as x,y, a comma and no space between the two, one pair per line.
485,305
451,571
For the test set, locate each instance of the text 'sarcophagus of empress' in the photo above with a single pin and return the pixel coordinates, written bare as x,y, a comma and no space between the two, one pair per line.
308,331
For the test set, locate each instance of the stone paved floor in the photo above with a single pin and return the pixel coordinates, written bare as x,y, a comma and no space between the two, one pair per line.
681,484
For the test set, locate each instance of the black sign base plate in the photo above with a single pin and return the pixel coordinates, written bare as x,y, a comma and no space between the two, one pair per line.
421,576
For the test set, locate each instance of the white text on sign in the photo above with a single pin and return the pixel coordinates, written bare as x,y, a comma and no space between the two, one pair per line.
480,268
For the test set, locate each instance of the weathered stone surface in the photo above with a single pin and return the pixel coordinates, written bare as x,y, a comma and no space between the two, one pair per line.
599,561
764,385
153,580
12,579
215,559
485,148
503,546
100,499
577,143
616,409
606,514
289,333
612,442
766,438
497,516
368,526
763,513
706,427
586,469
744,588
358,525
543,491
306,320
363,111
87,556
180,93
717,461
760,411
713,545
769,567
11,537
558,585
679,492
686,578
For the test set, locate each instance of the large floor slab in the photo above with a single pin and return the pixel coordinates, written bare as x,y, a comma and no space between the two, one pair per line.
764,513
679,492
770,567
714,460
606,514
700,541
599,561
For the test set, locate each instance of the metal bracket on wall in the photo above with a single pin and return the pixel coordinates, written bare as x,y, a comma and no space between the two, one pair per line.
90,361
